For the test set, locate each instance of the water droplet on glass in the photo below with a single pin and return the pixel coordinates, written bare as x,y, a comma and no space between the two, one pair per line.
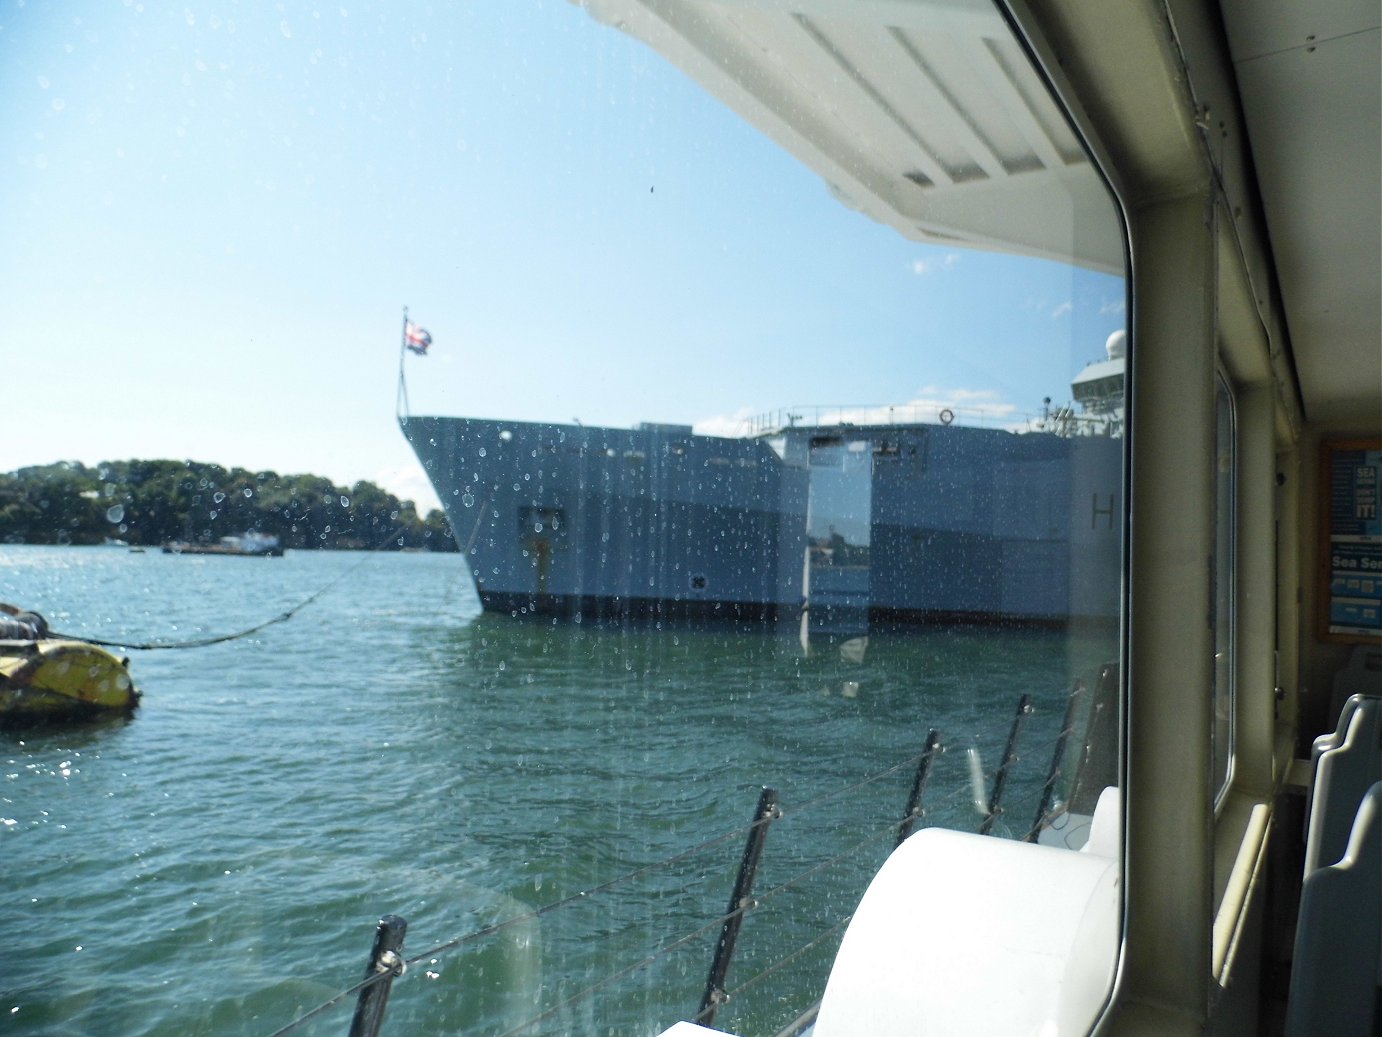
248,492
218,496
115,513
482,451
345,501
468,499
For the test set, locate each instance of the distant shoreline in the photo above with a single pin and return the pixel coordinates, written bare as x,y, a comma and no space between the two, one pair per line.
145,504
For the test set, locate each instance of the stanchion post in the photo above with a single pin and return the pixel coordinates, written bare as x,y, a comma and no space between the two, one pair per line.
1000,781
913,811
386,960
739,902
1048,791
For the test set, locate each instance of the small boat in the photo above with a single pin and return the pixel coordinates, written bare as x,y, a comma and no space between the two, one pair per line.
50,679
259,545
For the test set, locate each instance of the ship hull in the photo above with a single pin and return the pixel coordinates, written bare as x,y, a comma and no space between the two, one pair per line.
851,526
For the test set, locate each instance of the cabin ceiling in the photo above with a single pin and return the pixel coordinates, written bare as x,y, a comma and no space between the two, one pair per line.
925,115
1310,81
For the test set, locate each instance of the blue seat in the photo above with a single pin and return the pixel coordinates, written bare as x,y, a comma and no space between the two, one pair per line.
1347,763
1338,952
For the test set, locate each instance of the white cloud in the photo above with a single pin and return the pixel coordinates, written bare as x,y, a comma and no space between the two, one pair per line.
735,424
1061,310
409,482
922,267
1117,306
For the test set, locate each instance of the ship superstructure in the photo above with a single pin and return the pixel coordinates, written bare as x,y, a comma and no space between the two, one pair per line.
852,523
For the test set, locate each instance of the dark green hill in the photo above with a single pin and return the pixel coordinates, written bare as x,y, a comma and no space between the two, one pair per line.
150,502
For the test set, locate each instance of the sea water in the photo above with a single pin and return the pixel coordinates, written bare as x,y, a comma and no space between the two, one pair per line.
217,863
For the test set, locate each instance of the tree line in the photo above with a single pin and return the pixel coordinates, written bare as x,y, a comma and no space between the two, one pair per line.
148,503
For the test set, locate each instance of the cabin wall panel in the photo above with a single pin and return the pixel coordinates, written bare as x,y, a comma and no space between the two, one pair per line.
1169,866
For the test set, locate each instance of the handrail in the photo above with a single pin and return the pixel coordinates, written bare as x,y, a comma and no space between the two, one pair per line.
846,415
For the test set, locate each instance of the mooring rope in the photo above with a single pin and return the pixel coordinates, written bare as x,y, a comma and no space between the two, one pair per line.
202,642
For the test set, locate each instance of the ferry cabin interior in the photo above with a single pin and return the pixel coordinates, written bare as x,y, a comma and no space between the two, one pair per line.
1240,140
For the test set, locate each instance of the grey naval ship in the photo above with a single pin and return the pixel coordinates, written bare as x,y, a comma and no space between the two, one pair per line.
838,524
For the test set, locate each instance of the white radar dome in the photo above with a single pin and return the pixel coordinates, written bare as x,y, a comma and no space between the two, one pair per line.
1117,345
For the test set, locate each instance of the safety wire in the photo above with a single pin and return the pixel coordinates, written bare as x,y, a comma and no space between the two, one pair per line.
806,948
586,895
708,927
862,783
781,963
890,829
303,1020
528,916
202,642
782,887
627,970
1054,778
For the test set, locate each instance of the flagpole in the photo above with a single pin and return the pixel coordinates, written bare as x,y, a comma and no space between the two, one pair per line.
401,403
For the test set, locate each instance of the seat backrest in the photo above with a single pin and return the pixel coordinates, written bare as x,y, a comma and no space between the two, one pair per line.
1338,953
1346,768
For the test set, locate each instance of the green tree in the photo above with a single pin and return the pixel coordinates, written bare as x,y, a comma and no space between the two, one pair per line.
152,502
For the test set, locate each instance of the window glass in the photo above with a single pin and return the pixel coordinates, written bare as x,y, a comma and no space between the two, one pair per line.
757,410
1225,519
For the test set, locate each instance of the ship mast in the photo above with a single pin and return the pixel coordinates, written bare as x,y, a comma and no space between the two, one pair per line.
401,402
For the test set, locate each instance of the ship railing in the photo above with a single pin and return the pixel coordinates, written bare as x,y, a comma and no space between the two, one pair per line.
1061,421
386,962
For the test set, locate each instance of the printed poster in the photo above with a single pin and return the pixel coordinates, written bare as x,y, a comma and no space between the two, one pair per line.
1354,600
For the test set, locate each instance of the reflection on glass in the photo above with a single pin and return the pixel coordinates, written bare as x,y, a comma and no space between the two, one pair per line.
659,250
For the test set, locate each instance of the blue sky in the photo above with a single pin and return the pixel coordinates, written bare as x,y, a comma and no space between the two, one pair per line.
215,213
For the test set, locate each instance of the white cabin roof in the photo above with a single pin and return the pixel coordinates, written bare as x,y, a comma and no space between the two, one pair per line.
930,119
